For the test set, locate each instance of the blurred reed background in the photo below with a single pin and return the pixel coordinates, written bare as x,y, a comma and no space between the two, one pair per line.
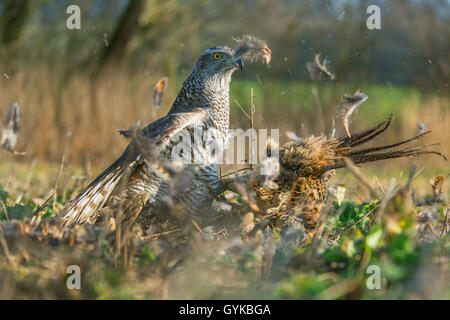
77,87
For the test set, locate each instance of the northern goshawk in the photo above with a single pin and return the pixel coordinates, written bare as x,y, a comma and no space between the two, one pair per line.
202,103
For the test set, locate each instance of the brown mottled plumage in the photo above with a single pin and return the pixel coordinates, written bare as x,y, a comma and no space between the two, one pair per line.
307,165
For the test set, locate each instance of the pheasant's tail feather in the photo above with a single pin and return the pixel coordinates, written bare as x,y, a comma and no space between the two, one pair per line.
355,153
409,152
84,206
364,136
345,148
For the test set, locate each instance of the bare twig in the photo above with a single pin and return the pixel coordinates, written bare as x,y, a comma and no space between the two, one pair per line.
6,251
196,226
355,223
55,188
444,228
252,112
242,109
360,177
390,193
160,234
4,209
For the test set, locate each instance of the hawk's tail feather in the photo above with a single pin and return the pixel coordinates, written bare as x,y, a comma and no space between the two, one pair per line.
92,198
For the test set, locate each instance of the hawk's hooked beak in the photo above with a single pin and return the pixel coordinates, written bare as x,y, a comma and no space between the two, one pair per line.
239,64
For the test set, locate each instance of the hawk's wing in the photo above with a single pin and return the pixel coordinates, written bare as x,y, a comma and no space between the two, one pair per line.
162,130
94,196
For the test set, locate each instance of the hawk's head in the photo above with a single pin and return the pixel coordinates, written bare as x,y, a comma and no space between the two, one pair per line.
218,61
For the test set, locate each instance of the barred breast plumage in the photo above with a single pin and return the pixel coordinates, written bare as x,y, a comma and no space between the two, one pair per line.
202,104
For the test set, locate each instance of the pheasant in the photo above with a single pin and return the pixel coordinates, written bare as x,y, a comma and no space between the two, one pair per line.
306,166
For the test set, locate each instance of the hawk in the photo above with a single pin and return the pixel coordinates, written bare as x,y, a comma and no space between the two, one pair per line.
202,104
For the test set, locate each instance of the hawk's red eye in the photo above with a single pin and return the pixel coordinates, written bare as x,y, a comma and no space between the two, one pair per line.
217,56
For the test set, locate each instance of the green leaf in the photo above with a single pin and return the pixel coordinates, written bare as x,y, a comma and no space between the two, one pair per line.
3,195
20,211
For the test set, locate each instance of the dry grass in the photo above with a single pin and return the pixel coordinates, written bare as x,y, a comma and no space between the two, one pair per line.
70,119
166,266
159,267
81,119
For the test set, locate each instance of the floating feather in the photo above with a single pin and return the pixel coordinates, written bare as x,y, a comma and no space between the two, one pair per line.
319,71
10,128
252,48
350,105
421,127
158,92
